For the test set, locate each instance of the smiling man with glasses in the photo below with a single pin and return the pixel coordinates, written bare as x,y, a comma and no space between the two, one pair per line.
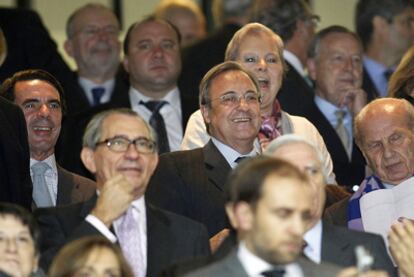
120,149
191,182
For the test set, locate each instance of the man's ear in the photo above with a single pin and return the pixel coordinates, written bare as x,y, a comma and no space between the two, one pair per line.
205,111
88,159
311,65
242,216
68,46
125,63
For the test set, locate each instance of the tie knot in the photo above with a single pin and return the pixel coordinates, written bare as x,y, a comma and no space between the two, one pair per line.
340,114
153,106
387,73
97,93
275,272
40,168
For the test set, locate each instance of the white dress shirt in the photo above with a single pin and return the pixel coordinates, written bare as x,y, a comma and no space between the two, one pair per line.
295,62
88,85
254,265
51,176
313,238
170,112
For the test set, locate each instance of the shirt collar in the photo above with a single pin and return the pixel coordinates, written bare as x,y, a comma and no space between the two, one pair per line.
313,239
230,154
50,161
172,97
294,61
88,84
328,109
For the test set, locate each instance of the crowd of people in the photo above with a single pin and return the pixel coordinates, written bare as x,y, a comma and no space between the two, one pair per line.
259,149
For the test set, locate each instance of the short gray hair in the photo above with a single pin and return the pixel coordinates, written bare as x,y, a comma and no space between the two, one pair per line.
279,142
93,131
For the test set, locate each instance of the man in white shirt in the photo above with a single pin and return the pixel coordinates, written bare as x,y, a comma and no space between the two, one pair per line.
120,150
270,203
325,242
40,96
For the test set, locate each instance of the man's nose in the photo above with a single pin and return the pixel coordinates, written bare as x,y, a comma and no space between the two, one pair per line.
44,110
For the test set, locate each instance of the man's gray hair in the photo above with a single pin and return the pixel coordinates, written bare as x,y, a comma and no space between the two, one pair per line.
281,141
93,131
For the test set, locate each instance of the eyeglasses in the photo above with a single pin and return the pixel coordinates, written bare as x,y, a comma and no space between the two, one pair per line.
121,144
231,99
92,31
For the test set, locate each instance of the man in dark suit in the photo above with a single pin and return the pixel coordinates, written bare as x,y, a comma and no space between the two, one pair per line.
335,64
191,182
93,42
385,29
326,242
270,202
29,45
120,149
16,185
40,96
152,59
297,35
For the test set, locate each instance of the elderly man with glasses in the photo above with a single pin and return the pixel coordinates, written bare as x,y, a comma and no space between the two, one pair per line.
120,149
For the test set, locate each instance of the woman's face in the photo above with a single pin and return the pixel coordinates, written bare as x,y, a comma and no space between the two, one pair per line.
18,256
101,262
259,53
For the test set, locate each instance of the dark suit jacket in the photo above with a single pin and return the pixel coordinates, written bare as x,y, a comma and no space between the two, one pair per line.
15,184
368,86
202,56
191,183
70,141
348,173
76,100
73,188
231,266
29,45
295,93
338,247
170,237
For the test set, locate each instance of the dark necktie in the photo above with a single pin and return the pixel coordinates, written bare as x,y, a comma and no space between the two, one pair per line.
157,122
276,272
240,159
97,94
387,74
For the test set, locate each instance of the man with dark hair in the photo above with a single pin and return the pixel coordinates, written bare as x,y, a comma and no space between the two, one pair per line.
192,182
386,29
41,98
119,148
270,202
295,23
19,243
335,64
93,42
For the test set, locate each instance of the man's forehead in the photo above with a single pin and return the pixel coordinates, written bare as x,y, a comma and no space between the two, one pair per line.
29,87
154,29
124,125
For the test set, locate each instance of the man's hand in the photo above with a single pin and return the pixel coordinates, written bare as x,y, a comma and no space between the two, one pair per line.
217,239
401,239
114,199
354,99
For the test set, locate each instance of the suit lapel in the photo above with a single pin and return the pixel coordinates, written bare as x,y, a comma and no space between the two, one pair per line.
334,248
217,167
64,187
158,240
87,206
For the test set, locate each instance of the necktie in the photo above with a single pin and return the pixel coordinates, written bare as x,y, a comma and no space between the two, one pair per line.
129,238
387,74
41,194
157,122
240,159
276,272
97,94
341,130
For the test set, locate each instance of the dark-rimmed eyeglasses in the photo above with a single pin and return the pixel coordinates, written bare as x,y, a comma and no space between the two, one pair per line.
121,144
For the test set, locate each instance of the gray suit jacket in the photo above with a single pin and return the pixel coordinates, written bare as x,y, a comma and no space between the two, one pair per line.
231,266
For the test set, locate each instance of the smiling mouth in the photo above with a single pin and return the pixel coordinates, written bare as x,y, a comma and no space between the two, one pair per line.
38,128
241,119
263,83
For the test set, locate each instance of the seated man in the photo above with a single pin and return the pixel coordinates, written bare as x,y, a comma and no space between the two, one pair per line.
120,149
19,242
192,182
40,96
326,242
384,131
